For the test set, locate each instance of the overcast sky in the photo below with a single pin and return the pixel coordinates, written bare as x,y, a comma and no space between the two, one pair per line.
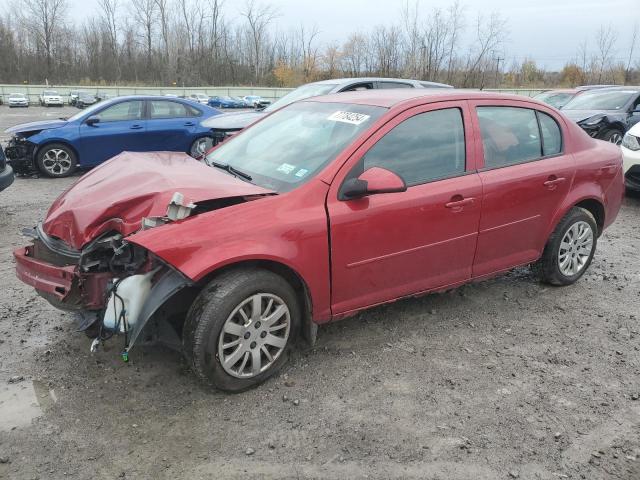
548,31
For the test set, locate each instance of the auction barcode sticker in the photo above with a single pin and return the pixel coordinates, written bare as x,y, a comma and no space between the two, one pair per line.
349,117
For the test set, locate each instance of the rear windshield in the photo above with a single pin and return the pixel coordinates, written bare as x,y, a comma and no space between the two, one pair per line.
300,93
601,100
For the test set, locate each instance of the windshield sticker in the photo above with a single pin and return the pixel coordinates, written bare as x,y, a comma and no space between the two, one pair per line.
302,172
349,117
286,168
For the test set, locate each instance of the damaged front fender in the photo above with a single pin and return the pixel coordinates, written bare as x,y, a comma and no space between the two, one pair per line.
136,299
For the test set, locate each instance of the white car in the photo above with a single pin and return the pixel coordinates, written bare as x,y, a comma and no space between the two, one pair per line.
18,100
631,158
50,97
199,97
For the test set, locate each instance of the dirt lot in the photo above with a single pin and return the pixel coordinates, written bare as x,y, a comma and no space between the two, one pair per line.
502,379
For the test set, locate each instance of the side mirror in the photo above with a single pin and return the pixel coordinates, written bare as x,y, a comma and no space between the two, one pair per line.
92,120
373,181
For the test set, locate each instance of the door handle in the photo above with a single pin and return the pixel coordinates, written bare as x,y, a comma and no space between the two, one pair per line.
553,182
135,127
458,201
189,124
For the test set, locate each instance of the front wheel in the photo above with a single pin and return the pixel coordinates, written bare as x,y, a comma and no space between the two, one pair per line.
570,249
240,329
56,160
200,146
612,136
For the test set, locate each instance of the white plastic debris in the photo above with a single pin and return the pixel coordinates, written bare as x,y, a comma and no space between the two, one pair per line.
177,210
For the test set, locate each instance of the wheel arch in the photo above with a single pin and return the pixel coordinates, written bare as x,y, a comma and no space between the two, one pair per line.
49,141
596,208
297,282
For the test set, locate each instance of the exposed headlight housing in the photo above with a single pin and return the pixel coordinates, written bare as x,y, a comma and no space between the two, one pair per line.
631,142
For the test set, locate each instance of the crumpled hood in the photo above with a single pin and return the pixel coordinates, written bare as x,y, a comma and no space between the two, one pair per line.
580,115
42,125
119,193
233,120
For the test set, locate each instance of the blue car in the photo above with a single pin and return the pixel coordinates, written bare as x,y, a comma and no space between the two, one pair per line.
57,148
224,102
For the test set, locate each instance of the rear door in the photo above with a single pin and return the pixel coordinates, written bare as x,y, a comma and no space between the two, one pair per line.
171,125
121,127
525,176
391,245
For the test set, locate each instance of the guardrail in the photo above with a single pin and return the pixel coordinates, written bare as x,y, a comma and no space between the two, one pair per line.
33,91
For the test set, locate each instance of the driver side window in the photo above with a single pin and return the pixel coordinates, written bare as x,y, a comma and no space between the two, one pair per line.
426,147
132,110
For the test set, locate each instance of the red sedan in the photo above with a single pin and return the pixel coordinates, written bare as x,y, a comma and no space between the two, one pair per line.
324,208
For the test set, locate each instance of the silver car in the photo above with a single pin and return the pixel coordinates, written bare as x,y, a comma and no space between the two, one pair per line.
226,123
18,100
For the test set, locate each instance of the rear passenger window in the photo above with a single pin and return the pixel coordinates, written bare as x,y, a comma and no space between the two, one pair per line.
551,136
425,147
394,85
510,135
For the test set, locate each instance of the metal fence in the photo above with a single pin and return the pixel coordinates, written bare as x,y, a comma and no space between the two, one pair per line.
34,91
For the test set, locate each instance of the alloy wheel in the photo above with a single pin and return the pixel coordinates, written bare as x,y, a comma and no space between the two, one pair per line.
56,161
201,146
616,138
254,335
575,249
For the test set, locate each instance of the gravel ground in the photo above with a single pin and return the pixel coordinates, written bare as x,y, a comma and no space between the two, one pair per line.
502,379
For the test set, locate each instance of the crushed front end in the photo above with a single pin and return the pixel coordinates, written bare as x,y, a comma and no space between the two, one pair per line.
20,153
114,286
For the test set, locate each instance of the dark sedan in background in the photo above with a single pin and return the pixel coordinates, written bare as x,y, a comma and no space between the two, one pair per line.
229,123
606,113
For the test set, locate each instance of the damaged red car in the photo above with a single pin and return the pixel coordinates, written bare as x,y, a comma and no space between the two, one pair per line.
322,209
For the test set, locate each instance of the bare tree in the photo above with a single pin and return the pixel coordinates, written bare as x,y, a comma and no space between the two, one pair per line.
605,44
489,37
144,13
44,19
258,17
632,46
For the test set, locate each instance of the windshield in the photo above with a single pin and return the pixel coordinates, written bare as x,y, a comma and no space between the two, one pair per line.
601,100
291,146
300,93
50,92
555,99
87,111
16,95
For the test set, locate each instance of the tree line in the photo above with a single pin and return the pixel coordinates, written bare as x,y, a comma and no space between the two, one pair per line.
197,42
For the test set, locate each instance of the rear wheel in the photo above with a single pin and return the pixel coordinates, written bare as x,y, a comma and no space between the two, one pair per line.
56,160
570,249
200,146
240,329
613,136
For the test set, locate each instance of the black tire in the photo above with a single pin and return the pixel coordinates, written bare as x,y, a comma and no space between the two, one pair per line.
193,149
44,163
211,309
548,267
612,135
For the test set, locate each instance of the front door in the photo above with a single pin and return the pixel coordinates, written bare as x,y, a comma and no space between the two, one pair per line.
120,127
390,245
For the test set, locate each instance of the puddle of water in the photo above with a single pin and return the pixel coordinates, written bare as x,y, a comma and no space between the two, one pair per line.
20,403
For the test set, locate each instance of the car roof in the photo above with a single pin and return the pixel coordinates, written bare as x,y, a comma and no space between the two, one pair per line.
561,90
389,98
342,81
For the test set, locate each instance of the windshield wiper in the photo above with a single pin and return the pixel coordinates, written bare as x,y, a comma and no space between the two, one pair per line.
232,170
